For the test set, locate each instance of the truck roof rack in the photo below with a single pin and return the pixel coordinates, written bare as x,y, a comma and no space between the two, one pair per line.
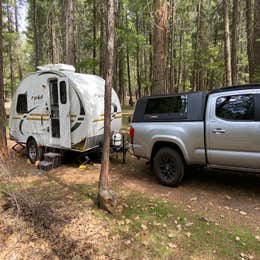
238,87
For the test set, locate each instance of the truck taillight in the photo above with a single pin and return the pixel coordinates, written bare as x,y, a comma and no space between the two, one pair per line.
132,133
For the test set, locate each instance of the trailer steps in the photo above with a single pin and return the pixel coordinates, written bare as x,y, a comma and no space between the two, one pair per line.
51,161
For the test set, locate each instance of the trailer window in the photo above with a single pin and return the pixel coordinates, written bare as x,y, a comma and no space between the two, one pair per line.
63,92
239,107
21,106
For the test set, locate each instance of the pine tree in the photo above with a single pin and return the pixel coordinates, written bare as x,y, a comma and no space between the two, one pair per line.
3,143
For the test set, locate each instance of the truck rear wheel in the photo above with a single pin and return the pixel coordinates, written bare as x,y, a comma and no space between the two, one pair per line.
34,153
168,166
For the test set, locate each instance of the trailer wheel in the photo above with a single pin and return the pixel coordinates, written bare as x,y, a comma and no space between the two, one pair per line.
34,153
168,167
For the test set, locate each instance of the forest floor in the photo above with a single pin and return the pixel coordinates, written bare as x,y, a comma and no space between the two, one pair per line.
212,215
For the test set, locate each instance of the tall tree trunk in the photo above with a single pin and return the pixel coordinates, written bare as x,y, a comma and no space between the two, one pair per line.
94,53
3,143
180,66
202,36
121,53
70,47
138,67
121,74
103,179
138,72
212,74
250,38
227,43
18,42
172,88
194,81
159,47
131,103
256,77
53,47
35,34
151,59
103,37
234,42
10,50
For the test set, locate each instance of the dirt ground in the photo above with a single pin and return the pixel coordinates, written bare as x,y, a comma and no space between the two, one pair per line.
225,199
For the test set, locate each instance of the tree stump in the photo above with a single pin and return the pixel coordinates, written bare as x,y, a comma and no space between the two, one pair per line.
107,200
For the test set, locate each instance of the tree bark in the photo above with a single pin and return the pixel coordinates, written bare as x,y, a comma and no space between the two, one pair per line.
53,47
202,54
256,77
172,88
94,52
196,47
180,66
35,34
159,47
235,21
227,53
138,67
103,37
250,38
103,179
20,71
131,103
70,47
3,143
10,50
121,54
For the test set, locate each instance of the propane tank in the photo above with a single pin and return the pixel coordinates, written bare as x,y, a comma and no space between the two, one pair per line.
116,139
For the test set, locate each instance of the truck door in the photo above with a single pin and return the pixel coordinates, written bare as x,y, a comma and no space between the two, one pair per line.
233,130
60,113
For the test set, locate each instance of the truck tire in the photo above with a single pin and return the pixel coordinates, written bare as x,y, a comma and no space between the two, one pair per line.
34,153
168,167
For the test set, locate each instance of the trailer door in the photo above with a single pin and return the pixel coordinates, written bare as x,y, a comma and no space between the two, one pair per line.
64,102
60,113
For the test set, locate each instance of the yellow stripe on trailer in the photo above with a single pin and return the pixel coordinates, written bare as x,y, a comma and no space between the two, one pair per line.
37,119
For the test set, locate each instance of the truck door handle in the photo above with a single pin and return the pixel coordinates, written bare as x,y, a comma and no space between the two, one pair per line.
218,131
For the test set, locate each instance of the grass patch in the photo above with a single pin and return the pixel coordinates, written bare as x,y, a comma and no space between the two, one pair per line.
157,229
85,191
165,231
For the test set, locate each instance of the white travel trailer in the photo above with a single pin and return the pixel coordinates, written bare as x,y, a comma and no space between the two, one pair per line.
56,107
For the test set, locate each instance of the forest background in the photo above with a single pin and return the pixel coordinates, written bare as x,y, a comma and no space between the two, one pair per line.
160,46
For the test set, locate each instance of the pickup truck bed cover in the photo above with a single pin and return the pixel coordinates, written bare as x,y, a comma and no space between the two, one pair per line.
193,100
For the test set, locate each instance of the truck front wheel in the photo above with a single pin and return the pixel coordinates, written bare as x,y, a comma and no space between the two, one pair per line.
168,166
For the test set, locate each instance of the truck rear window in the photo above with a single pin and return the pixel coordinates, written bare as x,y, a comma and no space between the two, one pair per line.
167,105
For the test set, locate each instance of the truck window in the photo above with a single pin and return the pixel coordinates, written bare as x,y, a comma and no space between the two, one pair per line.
63,92
166,105
237,107
21,106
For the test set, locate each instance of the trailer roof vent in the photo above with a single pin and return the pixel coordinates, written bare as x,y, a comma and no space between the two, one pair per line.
56,67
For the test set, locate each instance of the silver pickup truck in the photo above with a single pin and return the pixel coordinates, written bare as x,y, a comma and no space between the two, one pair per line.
220,129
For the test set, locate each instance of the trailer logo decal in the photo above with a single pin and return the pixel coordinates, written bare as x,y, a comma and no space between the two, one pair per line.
36,98
75,127
24,117
20,127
